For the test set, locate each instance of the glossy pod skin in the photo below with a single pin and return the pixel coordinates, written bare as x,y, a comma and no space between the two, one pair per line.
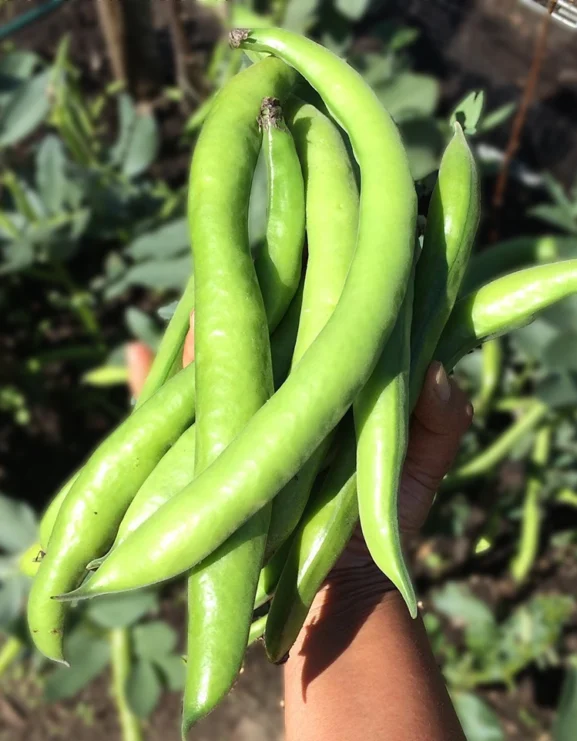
168,359
171,474
319,540
233,360
279,261
502,305
381,414
175,469
282,435
167,362
98,499
285,619
452,221
514,254
332,217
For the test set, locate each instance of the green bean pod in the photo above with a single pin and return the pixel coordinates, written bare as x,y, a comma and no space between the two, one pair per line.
484,463
284,433
319,540
332,217
233,359
172,473
452,222
483,315
382,426
491,376
166,363
279,261
528,545
503,305
92,510
513,254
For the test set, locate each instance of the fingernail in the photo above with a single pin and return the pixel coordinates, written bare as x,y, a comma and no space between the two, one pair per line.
470,410
442,385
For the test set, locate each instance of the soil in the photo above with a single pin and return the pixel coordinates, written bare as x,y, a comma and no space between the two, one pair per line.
468,44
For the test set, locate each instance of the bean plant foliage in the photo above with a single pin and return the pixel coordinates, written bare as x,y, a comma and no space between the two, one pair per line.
87,225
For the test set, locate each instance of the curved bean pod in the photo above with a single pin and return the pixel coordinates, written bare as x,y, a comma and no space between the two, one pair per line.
514,254
452,222
233,357
382,425
282,435
166,363
502,305
332,216
94,506
528,545
279,261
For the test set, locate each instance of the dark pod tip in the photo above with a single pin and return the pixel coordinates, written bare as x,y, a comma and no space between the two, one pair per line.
237,36
271,115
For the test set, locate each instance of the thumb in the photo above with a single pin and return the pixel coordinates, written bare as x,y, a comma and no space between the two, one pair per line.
139,358
441,417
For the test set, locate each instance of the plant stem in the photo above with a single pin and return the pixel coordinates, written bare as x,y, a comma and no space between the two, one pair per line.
120,651
257,629
531,522
84,312
492,367
9,652
485,462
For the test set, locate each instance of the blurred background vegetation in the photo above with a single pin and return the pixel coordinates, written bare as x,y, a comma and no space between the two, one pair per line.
100,105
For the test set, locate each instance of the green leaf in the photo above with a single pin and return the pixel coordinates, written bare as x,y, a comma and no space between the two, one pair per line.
143,688
18,525
153,640
479,722
424,144
354,10
16,256
468,111
173,670
409,95
459,604
17,65
25,110
154,274
566,719
166,312
555,215
167,241
126,121
533,340
88,655
497,117
50,173
561,352
558,390
12,594
142,327
143,146
300,15
121,610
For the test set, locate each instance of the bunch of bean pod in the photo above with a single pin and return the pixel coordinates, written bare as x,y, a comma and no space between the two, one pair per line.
245,471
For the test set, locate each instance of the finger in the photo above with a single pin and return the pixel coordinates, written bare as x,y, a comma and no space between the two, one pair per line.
188,350
139,358
442,415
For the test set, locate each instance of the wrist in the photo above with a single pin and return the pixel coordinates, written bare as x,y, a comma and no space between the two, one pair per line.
350,590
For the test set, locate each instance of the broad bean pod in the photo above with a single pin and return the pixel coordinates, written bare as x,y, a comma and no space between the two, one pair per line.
283,434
